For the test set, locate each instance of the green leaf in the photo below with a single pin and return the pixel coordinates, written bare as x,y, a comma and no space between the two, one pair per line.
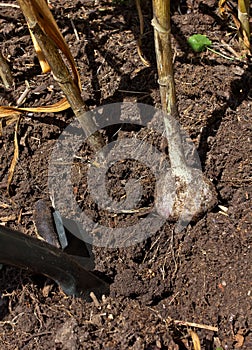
199,42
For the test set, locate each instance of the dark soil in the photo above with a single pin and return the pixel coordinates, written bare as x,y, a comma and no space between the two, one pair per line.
202,274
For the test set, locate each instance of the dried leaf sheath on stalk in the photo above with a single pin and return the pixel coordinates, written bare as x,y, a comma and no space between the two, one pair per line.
243,16
194,194
240,17
5,72
49,38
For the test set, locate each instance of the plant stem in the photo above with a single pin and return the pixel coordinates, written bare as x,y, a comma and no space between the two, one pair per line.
162,36
222,55
243,16
62,75
183,194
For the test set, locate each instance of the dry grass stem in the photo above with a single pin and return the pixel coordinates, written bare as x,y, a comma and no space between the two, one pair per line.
196,325
3,4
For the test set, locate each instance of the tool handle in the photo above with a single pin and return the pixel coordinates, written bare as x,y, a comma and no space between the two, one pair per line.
31,253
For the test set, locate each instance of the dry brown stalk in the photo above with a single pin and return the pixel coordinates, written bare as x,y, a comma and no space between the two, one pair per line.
243,16
49,39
